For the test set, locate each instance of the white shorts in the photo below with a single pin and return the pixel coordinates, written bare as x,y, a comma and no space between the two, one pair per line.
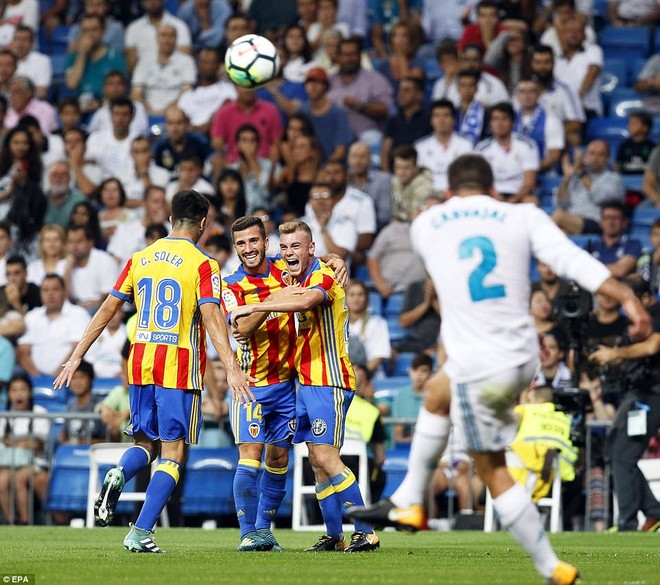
482,410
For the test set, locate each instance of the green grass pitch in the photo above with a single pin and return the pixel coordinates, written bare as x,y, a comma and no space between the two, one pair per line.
72,556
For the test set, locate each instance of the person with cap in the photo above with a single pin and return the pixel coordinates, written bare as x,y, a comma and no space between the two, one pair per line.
329,120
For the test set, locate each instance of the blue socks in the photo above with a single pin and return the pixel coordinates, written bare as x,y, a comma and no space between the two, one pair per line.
133,460
348,492
160,488
272,491
330,504
245,494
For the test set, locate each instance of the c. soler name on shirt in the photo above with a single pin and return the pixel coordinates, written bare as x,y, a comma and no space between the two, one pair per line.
161,256
480,213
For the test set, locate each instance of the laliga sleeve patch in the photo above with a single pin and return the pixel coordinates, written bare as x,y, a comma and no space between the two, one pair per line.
215,283
229,299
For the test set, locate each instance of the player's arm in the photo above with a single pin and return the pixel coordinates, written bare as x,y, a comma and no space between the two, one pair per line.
245,328
338,266
607,355
214,321
287,300
100,319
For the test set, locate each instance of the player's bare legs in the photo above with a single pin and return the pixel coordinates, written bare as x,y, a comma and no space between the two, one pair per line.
404,509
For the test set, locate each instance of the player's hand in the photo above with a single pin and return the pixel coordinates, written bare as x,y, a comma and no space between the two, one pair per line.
340,270
238,382
239,312
64,377
604,355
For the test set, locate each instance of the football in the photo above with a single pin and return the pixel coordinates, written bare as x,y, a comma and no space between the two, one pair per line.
252,61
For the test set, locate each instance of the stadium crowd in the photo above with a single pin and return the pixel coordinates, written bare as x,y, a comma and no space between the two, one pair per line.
107,109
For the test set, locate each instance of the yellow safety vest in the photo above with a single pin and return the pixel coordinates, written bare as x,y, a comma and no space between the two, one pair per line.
361,417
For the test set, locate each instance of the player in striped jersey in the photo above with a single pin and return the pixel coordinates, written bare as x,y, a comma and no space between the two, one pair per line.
327,380
176,290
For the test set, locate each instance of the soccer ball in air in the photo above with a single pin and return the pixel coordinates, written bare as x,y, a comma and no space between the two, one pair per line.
251,61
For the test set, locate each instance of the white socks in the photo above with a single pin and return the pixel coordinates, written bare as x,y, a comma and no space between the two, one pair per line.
518,514
429,442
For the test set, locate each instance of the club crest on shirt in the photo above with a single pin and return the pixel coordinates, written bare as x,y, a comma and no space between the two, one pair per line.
254,429
319,427
286,278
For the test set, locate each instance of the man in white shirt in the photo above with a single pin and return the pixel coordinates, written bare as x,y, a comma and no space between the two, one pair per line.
437,151
111,149
93,271
210,92
579,66
159,80
51,331
514,158
32,64
558,97
141,33
142,173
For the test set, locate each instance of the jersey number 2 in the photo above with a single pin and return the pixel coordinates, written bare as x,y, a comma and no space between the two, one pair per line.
478,290
166,310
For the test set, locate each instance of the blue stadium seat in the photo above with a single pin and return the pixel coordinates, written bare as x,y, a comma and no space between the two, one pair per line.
582,240
395,468
432,69
392,306
397,333
375,302
547,187
361,273
622,101
69,476
614,74
645,216
45,394
157,127
209,468
386,388
625,42
402,364
103,386
612,130
635,66
633,182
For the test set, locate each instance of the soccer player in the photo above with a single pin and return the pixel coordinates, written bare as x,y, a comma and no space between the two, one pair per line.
176,290
492,347
327,380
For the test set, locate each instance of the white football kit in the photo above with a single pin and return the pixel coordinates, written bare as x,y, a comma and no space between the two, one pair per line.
477,251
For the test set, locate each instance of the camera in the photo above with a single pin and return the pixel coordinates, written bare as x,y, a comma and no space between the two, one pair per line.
576,403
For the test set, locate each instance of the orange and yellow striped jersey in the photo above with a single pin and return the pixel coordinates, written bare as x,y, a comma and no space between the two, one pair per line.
322,343
168,281
268,354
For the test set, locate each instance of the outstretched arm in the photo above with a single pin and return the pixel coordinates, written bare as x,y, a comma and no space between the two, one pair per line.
287,300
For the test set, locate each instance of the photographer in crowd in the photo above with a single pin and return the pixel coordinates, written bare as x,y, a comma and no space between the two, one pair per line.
637,418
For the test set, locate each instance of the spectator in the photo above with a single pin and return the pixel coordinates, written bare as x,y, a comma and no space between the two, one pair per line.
409,124
579,66
296,56
411,185
392,264
51,331
24,12
514,158
50,146
331,231
159,80
369,328
540,307
634,152
23,453
111,148
470,114
115,411
205,20
231,192
586,185
82,431
113,35
22,202
8,66
115,85
651,181
113,212
377,184
272,17
23,101
61,196
84,214
88,66
614,248
553,370
19,294
208,95
558,97
409,399
51,256
420,314
105,354
177,142
485,30
443,19
85,174
257,172
490,90
6,244
306,11
246,109
297,125
648,266
437,151
535,122
562,13
141,34
92,272
326,20
648,83
235,26
401,61
366,95
385,15
190,177
354,14
328,120
510,56
31,64
129,236
632,13
551,284
68,111
142,173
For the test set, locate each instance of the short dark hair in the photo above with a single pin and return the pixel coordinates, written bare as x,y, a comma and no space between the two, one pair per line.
248,128
85,229
406,152
416,81
476,75
351,41
443,104
190,156
97,17
504,108
53,276
122,102
487,4
639,285
68,101
544,50
446,47
246,222
470,171
219,241
155,230
644,118
189,206
24,28
421,359
27,122
5,227
614,204
559,335
17,259
86,368
115,73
